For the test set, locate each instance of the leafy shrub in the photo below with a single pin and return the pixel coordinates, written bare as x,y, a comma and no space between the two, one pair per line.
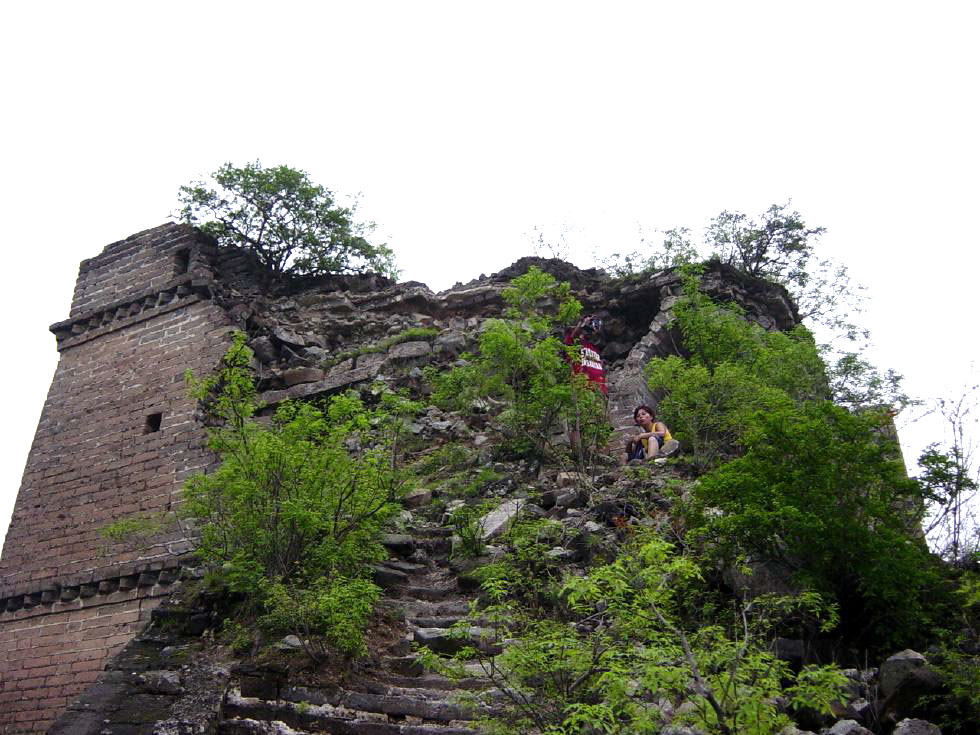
820,490
466,524
525,368
526,572
297,501
731,370
629,651
330,616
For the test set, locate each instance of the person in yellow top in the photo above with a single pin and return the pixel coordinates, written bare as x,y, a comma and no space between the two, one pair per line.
653,441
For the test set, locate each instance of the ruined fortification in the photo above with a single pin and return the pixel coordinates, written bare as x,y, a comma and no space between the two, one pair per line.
117,436
118,433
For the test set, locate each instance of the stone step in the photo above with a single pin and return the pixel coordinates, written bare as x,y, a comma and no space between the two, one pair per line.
371,715
432,532
408,671
407,666
438,681
426,608
248,726
377,698
441,621
406,566
255,727
442,641
430,593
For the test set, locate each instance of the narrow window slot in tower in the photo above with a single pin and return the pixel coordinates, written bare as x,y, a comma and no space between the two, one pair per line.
183,261
153,422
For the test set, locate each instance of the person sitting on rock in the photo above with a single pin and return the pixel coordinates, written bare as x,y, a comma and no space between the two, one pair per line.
653,442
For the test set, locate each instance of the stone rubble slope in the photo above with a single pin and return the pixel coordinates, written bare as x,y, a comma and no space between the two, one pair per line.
174,679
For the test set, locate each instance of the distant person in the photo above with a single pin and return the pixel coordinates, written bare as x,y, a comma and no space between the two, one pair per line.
653,441
589,363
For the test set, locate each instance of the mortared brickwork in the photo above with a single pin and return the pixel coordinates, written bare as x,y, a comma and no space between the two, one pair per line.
117,437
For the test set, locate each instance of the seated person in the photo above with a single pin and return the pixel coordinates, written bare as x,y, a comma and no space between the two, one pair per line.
655,439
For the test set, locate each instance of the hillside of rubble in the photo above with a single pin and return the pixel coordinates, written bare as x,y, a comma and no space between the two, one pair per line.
580,541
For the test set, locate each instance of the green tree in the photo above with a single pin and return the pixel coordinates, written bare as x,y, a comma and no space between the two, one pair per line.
730,369
950,481
291,519
777,246
527,369
820,490
631,644
292,225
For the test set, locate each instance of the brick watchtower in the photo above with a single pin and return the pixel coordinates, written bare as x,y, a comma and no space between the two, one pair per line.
117,436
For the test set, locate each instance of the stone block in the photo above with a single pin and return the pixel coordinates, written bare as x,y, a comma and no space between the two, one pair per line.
108,586
387,577
161,682
499,520
417,498
898,668
848,727
399,544
916,727
450,343
297,375
409,350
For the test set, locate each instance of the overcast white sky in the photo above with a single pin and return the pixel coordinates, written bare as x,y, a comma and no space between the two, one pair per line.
464,125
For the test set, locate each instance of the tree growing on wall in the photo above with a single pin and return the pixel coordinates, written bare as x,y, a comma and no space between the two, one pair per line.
777,246
292,225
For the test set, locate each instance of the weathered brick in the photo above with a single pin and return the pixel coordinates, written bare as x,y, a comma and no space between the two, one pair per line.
135,331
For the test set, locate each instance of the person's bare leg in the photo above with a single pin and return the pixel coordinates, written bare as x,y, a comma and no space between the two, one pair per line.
654,445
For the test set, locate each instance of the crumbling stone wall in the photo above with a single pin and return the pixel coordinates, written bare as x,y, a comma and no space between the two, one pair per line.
117,436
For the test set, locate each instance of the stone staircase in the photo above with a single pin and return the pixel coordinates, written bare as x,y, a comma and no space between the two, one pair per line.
396,696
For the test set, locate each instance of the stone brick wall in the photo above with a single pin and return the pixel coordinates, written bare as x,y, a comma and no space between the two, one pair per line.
117,436
146,261
51,654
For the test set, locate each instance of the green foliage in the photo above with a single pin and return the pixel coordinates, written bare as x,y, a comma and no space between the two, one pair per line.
629,651
855,383
777,246
450,457
675,250
794,478
466,524
732,370
236,635
291,224
329,616
526,572
297,501
525,368
820,490
139,530
468,485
